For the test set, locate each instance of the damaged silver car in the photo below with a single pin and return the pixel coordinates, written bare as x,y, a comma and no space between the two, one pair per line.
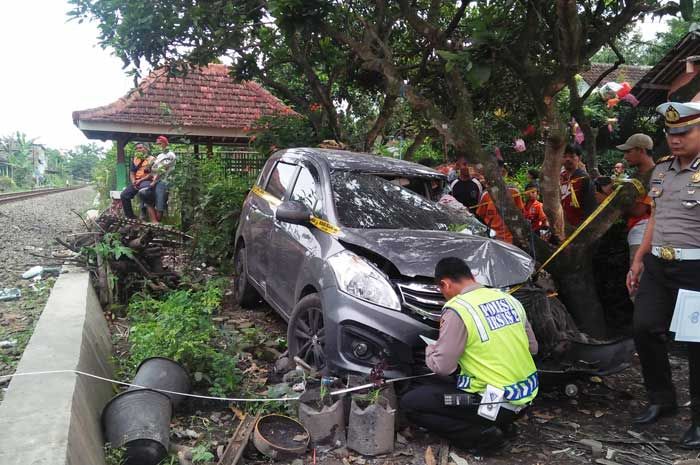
343,245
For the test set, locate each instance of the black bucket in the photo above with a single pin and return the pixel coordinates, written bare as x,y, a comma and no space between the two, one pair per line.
139,420
163,373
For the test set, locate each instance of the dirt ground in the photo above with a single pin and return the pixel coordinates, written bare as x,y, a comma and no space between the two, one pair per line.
550,433
27,232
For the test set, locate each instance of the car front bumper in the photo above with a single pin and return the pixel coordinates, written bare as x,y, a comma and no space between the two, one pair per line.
359,334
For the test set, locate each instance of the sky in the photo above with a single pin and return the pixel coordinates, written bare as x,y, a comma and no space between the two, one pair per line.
50,67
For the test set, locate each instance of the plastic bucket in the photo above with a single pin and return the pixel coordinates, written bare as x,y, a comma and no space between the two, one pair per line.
163,373
139,420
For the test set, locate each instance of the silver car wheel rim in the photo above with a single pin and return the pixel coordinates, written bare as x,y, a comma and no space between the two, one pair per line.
310,335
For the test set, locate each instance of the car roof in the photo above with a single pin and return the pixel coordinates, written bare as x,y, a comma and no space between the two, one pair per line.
344,160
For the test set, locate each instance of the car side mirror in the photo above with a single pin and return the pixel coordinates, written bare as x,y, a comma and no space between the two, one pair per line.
293,212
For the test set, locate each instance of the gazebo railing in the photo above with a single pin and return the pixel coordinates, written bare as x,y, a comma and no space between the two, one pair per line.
245,163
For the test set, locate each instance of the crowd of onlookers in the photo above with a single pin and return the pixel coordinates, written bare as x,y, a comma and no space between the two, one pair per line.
580,194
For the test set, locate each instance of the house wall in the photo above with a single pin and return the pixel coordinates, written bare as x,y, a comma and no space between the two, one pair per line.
682,80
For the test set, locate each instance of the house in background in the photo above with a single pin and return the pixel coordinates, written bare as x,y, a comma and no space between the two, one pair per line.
624,73
676,69
204,107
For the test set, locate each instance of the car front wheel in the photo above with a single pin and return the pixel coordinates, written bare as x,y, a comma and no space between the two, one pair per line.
306,333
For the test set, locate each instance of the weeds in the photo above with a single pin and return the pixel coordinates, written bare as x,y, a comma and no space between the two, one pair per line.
201,454
114,455
180,327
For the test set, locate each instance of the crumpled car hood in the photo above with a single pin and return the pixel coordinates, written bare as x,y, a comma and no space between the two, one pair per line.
415,253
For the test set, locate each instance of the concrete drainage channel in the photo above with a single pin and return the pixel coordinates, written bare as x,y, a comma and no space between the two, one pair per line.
55,418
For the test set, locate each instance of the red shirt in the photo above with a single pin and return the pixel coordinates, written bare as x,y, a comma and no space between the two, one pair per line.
577,198
534,213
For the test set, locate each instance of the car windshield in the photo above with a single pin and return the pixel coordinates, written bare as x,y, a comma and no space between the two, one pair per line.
369,202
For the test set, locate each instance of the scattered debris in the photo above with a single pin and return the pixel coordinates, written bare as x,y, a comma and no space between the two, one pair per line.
457,459
234,450
33,271
10,293
8,344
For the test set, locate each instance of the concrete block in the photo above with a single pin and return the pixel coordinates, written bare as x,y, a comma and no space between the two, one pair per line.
55,418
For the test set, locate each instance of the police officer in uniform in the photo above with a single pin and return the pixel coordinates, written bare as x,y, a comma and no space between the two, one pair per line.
670,258
486,340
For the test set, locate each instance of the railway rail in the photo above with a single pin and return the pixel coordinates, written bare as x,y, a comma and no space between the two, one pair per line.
15,196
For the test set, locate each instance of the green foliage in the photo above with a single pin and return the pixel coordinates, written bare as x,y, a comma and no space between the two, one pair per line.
280,132
110,247
83,161
180,327
201,454
7,184
114,455
213,200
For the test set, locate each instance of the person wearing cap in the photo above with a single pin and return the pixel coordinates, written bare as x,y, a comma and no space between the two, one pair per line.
576,188
155,195
637,152
140,177
669,255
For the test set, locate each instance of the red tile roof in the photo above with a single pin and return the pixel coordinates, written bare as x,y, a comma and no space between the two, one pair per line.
206,98
624,73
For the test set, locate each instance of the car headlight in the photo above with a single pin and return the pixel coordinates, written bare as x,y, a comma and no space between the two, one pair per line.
359,278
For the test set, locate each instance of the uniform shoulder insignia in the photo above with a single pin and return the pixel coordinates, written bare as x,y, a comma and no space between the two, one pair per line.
666,158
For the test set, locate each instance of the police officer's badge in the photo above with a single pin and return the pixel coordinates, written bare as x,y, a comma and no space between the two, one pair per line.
695,177
672,114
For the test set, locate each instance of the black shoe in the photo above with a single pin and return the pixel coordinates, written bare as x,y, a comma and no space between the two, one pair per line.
653,412
691,438
490,440
510,430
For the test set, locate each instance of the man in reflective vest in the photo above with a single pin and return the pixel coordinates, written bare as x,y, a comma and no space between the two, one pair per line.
486,341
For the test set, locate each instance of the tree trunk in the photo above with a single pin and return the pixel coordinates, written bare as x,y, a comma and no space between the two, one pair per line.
555,140
382,119
417,142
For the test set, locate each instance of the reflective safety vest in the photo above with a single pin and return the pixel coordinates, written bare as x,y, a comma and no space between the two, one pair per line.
497,349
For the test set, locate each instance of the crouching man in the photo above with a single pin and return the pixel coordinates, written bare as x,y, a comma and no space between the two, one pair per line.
487,341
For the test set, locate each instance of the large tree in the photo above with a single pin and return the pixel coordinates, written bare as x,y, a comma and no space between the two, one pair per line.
439,58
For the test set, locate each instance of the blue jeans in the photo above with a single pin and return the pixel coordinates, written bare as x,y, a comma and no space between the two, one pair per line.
156,196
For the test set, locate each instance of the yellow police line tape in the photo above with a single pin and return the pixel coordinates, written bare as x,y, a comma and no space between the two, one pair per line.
640,188
319,223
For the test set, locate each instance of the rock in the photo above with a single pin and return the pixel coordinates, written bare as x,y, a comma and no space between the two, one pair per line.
8,344
457,459
220,452
282,365
342,452
215,417
293,376
192,434
297,462
33,271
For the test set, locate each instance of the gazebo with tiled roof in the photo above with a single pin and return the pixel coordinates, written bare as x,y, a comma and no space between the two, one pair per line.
205,106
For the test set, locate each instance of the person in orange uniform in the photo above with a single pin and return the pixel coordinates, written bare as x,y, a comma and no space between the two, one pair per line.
534,210
490,215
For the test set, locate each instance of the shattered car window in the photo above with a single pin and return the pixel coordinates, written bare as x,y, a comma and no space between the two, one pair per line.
366,201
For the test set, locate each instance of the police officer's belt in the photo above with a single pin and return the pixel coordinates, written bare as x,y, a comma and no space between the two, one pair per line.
671,253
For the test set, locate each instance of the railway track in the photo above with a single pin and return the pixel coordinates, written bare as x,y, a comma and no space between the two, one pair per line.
15,196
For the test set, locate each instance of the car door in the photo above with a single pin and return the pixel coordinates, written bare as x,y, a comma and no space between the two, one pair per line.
292,244
261,220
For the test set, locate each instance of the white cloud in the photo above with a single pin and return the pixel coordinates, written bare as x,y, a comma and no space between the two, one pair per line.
49,68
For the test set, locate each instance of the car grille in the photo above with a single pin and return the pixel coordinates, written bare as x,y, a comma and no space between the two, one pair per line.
423,300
